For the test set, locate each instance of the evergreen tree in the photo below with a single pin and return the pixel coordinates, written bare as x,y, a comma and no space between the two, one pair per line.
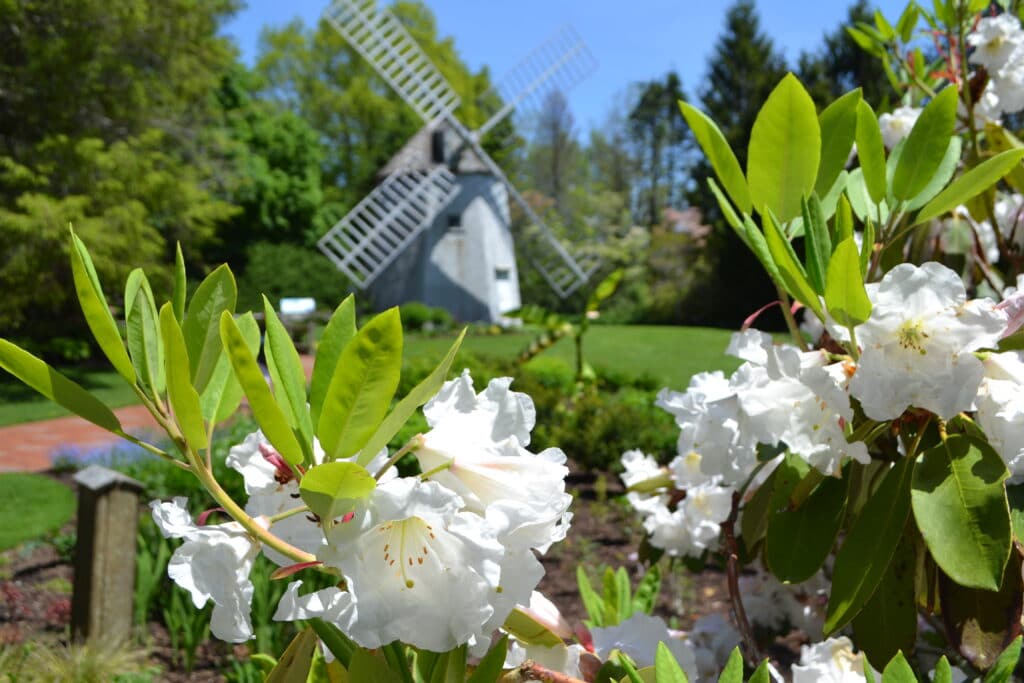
742,71
658,135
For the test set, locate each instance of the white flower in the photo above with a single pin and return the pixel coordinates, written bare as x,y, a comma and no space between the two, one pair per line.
774,605
564,659
1001,408
418,570
918,341
713,640
477,448
638,638
694,525
897,125
832,661
995,41
212,564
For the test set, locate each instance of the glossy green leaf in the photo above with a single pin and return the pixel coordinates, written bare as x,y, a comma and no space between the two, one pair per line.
792,274
761,674
888,622
943,174
592,602
288,377
367,667
869,546
843,221
727,211
340,330
142,330
605,289
490,667
647,589
799,540
960,506
361,388
632,675
721,156
223,393
1002,671
215,295
943,672
970,184
898,671
817,243
340,645
179,286
294,665
37,374
906,23
757,243
733,671
860,200
528,630
884,27
266,411
845,295
830,201
331,489
784,151
871,152
97,312
180,393
925,146
867,248
666,668
838,124
754,521
398,661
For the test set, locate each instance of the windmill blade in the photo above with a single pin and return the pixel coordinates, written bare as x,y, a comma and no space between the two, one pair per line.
373,234
387,46
558,64
554,269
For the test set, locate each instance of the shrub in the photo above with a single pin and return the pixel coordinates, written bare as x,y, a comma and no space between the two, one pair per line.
287,270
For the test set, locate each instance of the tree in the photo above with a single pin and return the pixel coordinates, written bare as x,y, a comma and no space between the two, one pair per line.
841,65
742,71
658,134
554,153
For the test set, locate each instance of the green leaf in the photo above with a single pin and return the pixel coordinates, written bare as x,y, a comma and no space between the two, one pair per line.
733,671
593,602
943,672
845,294
528,630
294,665
838,124
898,671
178,291
761,674
970,184
37,374
337,642
624,599
884,27
666,668
405,408
490,667
611,596
860,200
817,243
331,489
366,667
907,22
632,675
336,336
398,661
870,544
605,289
871,152
362,385
97,312
727,211
757,243
784,151
143,332
888,622
1007,662
926,145
223,393
721,156
266,411
754,522
215,295
843,221
799,540
944,173
646,594
288,377
790,271
960,506
180,393
867,247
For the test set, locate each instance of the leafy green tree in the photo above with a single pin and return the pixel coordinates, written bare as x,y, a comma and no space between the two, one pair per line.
658,134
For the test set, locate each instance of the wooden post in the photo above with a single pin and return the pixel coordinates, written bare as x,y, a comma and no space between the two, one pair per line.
104,587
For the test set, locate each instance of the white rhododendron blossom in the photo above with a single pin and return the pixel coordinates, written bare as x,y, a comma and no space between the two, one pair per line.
917,344
996,42
563,659
775,605
638,638
831,661
713,639
693,525
897,125
1000,408
212,564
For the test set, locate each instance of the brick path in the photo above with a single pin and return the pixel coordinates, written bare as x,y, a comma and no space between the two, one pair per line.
32,445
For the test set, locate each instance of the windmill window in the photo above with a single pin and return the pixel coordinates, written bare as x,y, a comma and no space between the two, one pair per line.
437,147
455,222
502,274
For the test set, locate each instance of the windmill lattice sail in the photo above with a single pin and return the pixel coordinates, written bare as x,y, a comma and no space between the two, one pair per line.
372,235
387,46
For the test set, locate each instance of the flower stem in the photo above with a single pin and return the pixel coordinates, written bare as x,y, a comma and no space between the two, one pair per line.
411,445
532,671
288,513
787,313
732,555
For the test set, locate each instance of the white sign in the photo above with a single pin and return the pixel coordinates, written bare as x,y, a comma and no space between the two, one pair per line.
298,306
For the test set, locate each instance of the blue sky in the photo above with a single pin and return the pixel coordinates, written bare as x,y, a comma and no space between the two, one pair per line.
633,40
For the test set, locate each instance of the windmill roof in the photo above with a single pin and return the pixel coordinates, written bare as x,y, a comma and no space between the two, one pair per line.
416,154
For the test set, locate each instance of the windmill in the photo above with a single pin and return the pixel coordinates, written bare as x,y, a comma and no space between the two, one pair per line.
437,227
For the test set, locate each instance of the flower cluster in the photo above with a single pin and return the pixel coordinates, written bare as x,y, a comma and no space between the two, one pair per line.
454,547
998,47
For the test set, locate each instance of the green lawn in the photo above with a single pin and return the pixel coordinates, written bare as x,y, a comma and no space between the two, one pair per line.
670,354
34,506
20,404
